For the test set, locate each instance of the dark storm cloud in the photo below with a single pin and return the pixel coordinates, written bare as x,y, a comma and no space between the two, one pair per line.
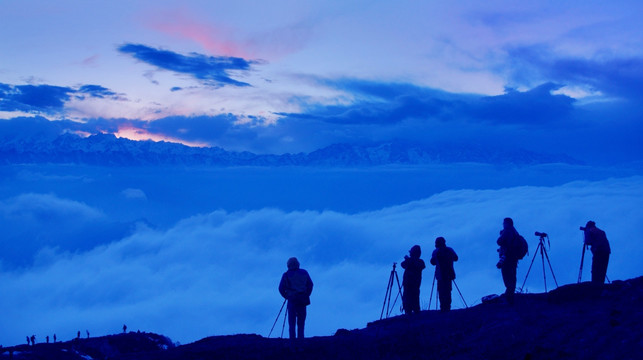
212,70
46,99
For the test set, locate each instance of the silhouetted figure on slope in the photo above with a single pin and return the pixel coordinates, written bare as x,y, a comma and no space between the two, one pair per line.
508,262
601,251
443,258
124,328
55,338
412,279
47,339
296,287
33,340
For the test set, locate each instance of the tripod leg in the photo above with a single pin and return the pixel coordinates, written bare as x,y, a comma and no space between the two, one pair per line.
431,296
582,257
387,296
399,291
275,323
461,297
530,265
551,269
542,258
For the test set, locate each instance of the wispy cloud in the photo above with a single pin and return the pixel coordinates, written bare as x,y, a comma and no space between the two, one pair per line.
211,70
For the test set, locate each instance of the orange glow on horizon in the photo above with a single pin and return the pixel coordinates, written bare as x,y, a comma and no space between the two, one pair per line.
132,133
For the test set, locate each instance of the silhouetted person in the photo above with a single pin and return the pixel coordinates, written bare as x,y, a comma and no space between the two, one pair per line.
508,262
55,338
124,328
412,279
601,250
47,338
296,287
78,335
443,258
87,331
33,340
28,340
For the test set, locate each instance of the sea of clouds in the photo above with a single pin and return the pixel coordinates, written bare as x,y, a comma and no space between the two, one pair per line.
216,272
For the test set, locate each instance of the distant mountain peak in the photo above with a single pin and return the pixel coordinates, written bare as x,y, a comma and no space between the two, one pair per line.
107,149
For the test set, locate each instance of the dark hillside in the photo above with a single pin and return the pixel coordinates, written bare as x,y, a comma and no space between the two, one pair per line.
576,321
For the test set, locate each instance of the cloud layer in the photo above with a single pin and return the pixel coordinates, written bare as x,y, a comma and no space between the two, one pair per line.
217,273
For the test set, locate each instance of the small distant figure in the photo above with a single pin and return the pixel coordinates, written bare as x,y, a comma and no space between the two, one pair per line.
55,338
412,279
87,331
508,262
78,335
47,339
124,328
600,247
33,339
443,258
28,340
296,287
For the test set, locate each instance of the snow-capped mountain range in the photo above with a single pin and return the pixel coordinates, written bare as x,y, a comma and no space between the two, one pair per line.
107,149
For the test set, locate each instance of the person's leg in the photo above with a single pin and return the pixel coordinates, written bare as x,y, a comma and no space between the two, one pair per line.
599,267
444,293
509,278
292,319
301,321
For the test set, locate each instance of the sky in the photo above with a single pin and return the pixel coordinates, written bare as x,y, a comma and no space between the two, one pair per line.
162,249
295,76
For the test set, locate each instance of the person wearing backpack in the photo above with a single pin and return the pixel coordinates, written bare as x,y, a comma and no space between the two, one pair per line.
509,241
443,258
296,287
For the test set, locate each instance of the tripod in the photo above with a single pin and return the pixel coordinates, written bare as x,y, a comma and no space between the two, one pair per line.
437,296
543,255
389,291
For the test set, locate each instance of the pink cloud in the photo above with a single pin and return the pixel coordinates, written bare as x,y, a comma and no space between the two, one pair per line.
221,40
217,40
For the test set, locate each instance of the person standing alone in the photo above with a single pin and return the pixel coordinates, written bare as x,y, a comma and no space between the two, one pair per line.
443,258
296,287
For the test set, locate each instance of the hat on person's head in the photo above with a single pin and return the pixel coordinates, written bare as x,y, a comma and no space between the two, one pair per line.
508,221
293,263
415,251
440,242
590,224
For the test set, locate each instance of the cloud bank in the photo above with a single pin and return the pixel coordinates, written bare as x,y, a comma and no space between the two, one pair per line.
217,273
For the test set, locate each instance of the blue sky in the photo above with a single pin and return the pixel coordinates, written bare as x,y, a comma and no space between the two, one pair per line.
287,76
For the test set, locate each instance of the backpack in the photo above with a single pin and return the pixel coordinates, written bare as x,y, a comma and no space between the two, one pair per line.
521,248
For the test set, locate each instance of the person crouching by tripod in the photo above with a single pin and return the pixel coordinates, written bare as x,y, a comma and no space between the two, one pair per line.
443,258
601,250
412,279
296,287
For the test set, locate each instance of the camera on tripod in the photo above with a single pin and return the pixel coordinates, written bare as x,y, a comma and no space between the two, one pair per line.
541,234
582,228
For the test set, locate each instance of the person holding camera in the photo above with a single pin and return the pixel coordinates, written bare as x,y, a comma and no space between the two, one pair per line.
600,247
508,262
443,258
296,287
412,279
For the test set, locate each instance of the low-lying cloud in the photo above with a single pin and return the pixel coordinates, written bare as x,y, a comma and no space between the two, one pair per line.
217,273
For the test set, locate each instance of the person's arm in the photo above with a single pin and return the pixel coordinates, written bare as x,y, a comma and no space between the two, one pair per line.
283,284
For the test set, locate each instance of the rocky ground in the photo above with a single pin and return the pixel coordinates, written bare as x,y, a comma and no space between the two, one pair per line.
576,321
